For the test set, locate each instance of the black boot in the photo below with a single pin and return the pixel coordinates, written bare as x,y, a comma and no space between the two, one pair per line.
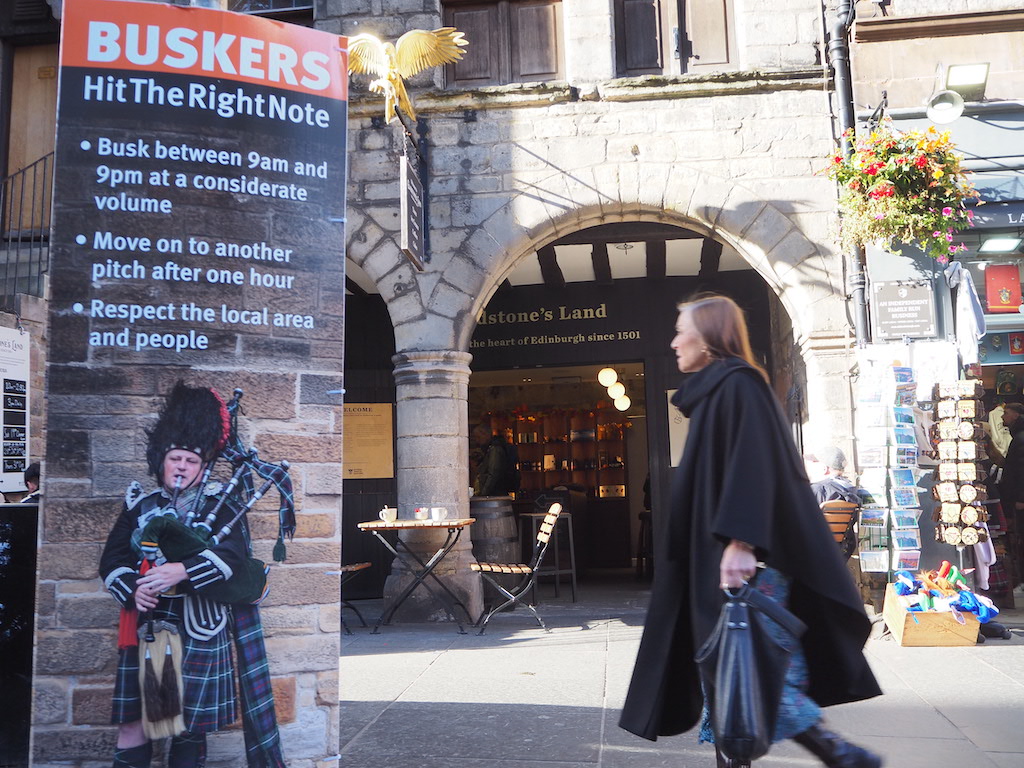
834,751
187,751
728,762
134,757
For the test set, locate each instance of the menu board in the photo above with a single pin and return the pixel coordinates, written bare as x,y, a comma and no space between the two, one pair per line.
14,373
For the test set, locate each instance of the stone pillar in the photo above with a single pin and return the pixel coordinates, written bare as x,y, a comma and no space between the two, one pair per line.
432,458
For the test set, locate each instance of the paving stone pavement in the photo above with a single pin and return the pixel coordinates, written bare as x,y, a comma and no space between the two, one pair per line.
423,695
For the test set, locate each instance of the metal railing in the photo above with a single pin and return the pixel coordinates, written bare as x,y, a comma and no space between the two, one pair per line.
25,199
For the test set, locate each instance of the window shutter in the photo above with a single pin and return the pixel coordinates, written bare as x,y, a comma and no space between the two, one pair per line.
481,64
536,40
709,29
639,46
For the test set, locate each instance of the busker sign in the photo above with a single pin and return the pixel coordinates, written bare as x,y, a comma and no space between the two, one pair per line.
200,165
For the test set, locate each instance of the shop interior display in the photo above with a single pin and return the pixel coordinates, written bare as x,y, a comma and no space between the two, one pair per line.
581,452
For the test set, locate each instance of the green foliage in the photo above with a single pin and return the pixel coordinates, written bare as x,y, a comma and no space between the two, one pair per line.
903,188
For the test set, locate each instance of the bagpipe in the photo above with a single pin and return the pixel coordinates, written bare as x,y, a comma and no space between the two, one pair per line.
178,540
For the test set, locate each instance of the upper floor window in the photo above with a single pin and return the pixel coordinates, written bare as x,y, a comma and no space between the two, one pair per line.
673,36
510,41
294,11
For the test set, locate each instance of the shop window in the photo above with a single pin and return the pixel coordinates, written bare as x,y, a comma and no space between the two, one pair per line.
510,41
673,36
292,11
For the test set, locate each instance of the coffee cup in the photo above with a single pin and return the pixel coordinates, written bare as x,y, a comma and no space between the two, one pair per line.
438,513
388,514
421,513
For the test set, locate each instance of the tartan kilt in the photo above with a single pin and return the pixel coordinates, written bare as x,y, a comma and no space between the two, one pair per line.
208,675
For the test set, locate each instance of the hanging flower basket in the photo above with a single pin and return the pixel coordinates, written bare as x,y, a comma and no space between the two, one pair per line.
903,188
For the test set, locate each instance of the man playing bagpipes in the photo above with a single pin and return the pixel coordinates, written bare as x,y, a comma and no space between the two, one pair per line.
179,562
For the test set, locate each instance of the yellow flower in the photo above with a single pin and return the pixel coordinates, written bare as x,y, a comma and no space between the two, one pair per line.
938,174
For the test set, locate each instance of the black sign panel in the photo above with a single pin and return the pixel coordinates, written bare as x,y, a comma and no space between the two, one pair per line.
586,323
412,214
195,189
904,310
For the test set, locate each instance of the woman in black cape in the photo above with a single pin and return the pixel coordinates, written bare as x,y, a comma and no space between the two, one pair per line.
740,495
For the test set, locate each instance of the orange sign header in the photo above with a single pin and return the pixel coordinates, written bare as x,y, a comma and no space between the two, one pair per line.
154,37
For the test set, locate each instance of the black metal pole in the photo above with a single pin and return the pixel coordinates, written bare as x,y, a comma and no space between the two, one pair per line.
839,55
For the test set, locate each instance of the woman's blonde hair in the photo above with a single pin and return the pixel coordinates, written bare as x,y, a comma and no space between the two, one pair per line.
720,322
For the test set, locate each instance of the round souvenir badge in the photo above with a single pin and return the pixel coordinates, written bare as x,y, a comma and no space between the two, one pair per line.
969,516
952,536
968,493
966,430
969,536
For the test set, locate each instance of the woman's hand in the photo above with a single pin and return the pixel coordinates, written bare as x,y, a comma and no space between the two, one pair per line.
739,564
156,581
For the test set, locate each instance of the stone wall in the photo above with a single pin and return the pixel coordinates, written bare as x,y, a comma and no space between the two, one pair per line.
96,446
734,155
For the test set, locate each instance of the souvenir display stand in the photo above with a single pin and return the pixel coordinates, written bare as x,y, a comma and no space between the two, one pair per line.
887,453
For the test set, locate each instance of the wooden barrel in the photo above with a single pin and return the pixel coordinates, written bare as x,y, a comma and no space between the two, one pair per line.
495,538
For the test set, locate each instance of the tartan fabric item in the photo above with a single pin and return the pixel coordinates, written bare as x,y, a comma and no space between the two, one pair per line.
209,681
259,722
238,456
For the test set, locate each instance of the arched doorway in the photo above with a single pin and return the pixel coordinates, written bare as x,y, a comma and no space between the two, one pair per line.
604,297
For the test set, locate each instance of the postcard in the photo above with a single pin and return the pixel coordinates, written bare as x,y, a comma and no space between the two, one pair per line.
906,538
903,477
903,456
872,416
874,560
904,497
873,517
903,434
871,455
903,374
906,559
905,518
902,414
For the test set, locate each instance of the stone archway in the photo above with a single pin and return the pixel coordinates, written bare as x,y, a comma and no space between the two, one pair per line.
434,312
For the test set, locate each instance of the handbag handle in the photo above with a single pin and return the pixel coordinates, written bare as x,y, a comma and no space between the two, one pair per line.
768,607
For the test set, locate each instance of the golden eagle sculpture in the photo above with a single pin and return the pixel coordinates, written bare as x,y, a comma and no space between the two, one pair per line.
415,51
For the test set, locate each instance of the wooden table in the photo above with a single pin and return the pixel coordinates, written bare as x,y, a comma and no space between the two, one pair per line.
402,551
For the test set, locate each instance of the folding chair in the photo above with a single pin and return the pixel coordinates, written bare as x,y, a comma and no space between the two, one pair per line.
349,572
527,571
840,516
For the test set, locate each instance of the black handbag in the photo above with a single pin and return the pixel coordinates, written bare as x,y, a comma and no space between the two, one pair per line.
743,669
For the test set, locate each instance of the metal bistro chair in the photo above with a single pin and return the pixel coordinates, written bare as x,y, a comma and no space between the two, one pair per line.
841,516
349,572
527,571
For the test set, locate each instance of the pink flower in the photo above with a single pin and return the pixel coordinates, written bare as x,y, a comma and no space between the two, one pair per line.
947,211
936,233
970,214
949,238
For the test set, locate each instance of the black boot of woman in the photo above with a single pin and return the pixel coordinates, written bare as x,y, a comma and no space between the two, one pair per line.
834,751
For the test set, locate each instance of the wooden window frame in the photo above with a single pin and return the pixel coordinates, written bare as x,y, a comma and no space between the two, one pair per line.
679,44
503,47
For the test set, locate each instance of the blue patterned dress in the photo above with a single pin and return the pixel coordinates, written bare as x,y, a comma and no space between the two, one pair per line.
797,711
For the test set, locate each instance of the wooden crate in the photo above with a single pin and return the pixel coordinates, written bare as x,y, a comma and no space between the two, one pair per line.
929,629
